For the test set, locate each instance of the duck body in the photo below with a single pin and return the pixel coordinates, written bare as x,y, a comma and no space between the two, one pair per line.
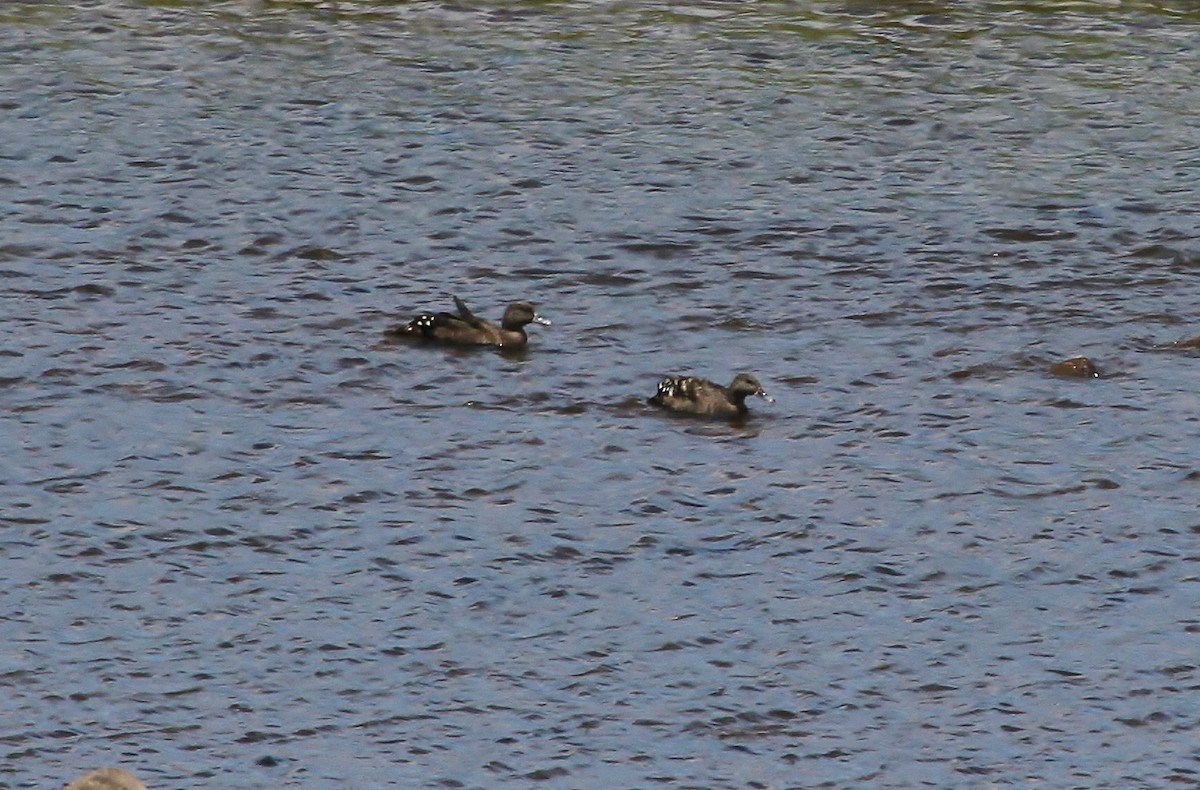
694,395
467,329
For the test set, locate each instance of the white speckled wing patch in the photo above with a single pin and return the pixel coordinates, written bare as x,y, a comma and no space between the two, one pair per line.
679,387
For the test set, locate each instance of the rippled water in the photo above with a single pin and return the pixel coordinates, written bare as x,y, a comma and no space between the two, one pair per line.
248,542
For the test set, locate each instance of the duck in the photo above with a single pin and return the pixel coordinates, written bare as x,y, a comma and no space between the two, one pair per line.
467,329
694,395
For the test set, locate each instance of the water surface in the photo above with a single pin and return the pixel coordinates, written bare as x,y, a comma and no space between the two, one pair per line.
249,542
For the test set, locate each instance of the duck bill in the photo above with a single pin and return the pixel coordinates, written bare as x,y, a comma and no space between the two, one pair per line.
537,319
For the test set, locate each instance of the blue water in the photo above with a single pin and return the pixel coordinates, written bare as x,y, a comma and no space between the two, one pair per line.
248,541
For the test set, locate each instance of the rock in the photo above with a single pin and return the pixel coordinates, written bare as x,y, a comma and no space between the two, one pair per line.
1076,368
107,779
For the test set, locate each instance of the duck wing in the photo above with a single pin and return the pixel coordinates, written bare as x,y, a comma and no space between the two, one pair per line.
465,314
448,320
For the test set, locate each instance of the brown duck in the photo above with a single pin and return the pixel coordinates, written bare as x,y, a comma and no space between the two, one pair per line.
692,395
467,329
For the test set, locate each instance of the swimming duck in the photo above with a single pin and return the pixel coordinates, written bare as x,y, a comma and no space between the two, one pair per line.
692,395
467,329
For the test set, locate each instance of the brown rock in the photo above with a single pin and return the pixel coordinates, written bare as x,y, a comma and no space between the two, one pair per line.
107,779
1076,368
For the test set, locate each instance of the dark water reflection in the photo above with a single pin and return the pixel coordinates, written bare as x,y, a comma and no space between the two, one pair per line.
250,542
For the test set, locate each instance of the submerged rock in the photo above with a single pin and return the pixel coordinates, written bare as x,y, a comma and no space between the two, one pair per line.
1076,368
107,779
